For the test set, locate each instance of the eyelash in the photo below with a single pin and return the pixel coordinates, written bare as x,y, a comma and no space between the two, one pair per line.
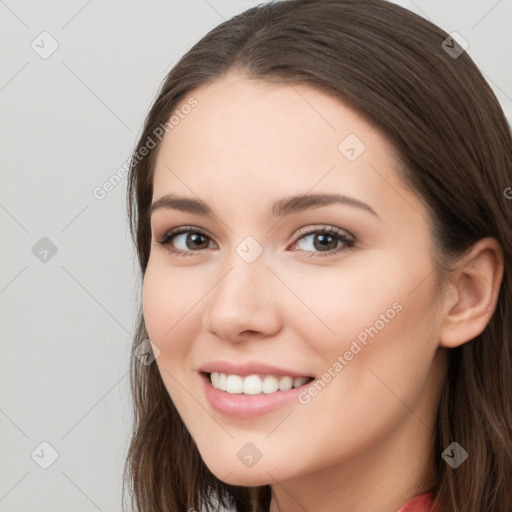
347,241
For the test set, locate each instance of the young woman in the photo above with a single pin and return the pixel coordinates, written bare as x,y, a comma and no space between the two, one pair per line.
320,211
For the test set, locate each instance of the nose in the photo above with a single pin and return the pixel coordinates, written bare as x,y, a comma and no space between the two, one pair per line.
244,302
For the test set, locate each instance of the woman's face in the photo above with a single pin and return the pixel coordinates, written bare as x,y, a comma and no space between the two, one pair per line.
262,289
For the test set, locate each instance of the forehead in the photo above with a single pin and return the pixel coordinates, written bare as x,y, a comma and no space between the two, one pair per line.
241,117
248,138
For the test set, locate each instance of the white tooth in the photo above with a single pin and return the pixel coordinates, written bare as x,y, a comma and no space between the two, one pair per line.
299,381
222,381
285,383
234,384
252,385
270,384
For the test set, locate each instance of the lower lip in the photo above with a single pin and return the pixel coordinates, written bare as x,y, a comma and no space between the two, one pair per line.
247,406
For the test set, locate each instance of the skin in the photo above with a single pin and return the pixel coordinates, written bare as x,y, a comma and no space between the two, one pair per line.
364,442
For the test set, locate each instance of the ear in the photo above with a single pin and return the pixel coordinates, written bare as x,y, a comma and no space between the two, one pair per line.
473,293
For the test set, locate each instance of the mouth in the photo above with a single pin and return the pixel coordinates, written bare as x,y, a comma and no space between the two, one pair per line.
255,384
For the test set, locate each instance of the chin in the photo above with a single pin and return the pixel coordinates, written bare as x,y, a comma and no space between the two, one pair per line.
242,476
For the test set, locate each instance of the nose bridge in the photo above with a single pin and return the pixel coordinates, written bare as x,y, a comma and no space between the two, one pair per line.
248,275
243,286
243,298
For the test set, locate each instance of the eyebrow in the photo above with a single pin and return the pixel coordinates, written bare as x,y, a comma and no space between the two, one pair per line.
281,208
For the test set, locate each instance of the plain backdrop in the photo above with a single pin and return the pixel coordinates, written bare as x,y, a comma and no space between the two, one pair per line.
68,276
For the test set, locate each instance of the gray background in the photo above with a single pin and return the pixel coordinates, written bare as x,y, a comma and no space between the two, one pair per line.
69,121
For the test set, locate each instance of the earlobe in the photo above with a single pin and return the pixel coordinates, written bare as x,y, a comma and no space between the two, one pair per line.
475,291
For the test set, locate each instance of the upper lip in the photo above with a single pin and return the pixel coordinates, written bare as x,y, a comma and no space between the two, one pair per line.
249,368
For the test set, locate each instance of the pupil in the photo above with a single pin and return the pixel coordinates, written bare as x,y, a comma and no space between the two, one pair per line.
324,238
196,237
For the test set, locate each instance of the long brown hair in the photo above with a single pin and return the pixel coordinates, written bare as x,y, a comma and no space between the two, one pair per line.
455,145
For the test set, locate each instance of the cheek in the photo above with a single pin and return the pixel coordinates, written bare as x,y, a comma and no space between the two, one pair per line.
386,335
337,304
375,313
169,302
372,366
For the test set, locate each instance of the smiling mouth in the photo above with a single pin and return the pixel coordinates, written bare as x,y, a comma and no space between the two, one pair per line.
254,384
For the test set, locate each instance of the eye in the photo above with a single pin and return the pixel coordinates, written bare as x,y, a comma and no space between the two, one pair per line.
323,241
192,240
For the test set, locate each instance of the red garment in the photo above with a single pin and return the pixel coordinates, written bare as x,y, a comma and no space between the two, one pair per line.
420,503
